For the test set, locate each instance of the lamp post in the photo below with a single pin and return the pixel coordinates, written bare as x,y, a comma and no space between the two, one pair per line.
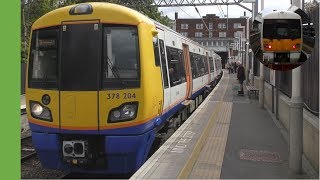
296,119
247,52
244,37
238,43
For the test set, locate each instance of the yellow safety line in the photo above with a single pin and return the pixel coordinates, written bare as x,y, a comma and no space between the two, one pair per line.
185,172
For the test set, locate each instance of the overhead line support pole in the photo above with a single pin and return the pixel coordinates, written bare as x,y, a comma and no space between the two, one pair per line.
296,120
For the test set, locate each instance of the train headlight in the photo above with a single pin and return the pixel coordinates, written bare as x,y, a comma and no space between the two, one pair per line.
45,99
36,109
81,9
296,46
129,110
125,112
268,46
40,112
116,114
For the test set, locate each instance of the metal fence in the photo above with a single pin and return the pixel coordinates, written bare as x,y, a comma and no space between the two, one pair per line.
310,69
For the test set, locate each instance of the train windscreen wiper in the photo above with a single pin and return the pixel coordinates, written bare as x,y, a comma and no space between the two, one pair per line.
113,69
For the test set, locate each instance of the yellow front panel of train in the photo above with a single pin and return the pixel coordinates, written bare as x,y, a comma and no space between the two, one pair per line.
282,45
79,110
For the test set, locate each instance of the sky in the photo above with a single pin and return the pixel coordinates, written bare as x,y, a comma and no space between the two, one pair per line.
235,11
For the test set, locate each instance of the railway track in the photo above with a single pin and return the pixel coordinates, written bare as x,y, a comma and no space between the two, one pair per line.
27,150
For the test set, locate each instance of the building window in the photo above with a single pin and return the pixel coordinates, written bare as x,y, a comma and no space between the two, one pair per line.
217,43
236,25
202,43
222,43
184,34
237,34
222,25
184,26
222,34
207,43
199,26
198,34
210,34
211,43
210,25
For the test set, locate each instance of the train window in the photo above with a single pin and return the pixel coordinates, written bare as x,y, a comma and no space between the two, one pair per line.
216,63
182,66
43,59
80,57
204,58
200,65
194,69
156,51
164,64
282,29
121,57
176,66
211,64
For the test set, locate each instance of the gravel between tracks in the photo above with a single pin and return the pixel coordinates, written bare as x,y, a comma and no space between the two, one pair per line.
32,169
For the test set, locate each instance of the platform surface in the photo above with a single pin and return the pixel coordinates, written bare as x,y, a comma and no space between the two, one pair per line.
228,136
22,101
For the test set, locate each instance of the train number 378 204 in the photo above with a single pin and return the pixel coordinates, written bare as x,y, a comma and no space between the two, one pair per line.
121,95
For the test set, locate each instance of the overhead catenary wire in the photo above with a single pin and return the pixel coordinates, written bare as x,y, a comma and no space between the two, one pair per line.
184,11
202,18
221,11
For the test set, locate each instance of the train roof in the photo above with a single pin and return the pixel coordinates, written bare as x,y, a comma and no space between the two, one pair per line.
281,15
104,12
113,13
165,28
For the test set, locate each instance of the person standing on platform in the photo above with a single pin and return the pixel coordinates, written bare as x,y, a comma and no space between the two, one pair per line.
241,77
234,67
228,67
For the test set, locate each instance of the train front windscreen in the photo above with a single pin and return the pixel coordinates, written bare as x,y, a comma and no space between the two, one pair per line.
85,57
282,29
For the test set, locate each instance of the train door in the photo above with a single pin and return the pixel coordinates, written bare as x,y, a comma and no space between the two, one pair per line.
188,70
79,76
164,69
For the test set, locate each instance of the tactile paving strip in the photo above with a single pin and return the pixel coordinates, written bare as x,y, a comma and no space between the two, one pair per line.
209,162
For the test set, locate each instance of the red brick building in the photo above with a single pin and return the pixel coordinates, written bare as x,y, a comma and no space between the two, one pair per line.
221,34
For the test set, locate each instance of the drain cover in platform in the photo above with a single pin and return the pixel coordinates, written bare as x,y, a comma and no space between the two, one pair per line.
256,155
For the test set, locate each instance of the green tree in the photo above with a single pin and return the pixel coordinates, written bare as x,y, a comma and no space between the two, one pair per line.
31,10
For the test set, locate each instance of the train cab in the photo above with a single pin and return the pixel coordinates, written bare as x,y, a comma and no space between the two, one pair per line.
281,37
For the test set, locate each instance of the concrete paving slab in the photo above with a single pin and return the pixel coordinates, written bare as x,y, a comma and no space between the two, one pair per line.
22,101
253,129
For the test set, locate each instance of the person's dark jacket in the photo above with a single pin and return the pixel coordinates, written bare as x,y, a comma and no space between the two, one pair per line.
241,75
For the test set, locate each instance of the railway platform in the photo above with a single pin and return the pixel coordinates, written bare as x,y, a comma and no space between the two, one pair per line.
227,137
